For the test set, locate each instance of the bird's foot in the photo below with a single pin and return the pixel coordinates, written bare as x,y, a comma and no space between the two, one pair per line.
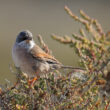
32,82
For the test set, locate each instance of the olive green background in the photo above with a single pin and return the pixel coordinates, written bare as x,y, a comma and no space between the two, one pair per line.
45,17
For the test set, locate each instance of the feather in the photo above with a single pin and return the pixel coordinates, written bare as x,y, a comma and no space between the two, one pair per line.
38,53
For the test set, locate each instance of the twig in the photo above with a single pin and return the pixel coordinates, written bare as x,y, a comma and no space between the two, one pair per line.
44,46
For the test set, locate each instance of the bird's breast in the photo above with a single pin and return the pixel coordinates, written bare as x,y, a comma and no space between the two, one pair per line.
24,60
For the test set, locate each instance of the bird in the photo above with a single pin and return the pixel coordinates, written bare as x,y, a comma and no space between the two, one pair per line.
31,59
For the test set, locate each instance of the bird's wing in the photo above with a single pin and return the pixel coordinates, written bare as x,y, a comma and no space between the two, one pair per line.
39,54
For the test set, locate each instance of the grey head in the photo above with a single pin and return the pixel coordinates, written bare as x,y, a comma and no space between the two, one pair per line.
24,35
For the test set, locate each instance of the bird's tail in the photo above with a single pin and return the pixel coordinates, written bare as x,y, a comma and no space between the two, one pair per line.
70,67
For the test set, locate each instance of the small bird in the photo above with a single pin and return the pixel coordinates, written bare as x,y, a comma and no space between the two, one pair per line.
31,59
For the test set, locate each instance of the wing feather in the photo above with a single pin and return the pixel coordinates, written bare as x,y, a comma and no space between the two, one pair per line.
38,53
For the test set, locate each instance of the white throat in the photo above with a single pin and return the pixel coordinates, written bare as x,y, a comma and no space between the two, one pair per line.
31,44
26,45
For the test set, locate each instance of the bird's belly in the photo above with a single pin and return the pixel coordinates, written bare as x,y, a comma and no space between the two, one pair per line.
28,64
24,61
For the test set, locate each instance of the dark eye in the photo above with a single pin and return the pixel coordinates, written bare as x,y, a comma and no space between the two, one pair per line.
24,38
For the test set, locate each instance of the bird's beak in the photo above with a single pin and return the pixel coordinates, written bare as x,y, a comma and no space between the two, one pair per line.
29,39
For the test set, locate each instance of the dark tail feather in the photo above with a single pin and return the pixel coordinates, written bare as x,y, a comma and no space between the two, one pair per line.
70,67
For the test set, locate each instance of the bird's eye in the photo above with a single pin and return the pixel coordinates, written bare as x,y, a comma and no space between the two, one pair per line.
24,38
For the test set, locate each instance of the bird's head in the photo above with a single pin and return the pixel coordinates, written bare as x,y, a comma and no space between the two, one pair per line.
25,39
24,36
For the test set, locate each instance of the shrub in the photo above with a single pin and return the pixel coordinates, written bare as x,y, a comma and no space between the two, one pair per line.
61,90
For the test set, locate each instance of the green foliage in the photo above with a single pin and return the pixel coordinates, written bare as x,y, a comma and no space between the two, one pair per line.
87,89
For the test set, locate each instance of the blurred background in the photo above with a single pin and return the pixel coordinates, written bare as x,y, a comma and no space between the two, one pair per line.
45,17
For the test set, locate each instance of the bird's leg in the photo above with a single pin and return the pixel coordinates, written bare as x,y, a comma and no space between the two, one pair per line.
32,82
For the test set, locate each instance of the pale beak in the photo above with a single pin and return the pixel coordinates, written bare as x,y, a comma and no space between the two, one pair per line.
29,39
